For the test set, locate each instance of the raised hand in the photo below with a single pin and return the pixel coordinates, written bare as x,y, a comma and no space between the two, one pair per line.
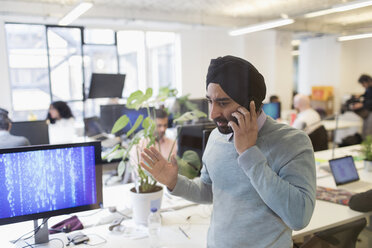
163,171
246,131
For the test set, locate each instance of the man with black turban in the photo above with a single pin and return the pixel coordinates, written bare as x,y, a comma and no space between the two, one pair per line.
259,174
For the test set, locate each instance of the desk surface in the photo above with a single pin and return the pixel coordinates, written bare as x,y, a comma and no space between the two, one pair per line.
193,220
330,125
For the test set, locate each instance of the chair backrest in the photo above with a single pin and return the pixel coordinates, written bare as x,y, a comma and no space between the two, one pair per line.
344,236
319,139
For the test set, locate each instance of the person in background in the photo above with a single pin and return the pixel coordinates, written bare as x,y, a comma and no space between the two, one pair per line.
307,118
165,145
274,98
61,123
364,106
8,140
59,110
256,171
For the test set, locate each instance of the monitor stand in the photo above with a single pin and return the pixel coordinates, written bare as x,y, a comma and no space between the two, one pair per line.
41,237
41,233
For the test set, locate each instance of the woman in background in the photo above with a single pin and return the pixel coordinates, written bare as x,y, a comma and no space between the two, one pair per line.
61,123
59,110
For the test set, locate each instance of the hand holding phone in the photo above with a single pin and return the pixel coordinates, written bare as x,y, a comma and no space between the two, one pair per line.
245,128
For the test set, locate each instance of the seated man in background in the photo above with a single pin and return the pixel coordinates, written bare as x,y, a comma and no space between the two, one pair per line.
8,140
165,145
274,98
307,118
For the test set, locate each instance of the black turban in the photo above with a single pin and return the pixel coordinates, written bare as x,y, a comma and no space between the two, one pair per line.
239,79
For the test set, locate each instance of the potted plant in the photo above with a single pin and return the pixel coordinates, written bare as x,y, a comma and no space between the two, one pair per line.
146,194
367,152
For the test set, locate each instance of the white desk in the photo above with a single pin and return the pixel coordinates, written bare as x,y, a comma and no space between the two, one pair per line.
325,215
330,125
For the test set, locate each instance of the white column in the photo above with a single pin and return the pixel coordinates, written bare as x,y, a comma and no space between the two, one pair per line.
5,92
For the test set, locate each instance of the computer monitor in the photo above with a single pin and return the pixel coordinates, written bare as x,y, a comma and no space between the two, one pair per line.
111,113
92,126
272,109
48,180
190,137
35,131
106,85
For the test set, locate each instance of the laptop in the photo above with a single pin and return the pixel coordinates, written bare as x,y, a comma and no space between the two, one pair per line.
346,175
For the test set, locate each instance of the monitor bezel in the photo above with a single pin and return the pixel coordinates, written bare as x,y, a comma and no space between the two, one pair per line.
47,214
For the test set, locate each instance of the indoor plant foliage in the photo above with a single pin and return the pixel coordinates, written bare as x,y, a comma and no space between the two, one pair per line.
144,182
367,148
367,152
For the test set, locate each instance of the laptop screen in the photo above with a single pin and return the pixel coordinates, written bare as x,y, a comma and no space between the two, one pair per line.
343,170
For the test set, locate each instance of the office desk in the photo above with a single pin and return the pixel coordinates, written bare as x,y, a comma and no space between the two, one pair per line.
194,220
330,125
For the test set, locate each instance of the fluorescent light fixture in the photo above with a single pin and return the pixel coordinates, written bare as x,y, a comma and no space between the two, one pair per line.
75,13
340,8
261,26
295,42
354,37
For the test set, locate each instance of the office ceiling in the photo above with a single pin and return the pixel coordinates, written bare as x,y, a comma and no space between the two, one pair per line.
201,13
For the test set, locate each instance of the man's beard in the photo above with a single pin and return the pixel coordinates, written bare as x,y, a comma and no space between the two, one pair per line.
159,136
224,129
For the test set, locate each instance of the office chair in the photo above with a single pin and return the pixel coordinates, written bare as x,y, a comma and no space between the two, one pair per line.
319,139
344,236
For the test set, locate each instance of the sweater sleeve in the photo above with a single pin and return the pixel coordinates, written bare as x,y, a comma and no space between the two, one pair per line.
361,202
290,193
198,190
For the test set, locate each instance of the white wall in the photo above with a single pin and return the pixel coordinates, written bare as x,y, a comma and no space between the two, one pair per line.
5,95
325,61
355,60
270,53
198,47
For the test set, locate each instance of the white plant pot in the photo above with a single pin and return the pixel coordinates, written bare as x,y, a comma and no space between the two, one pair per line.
368,165
142,204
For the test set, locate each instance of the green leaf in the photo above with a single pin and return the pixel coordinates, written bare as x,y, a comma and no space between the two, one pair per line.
135,100
121,168
136,125
189,165
188,116
120,124
148,125
147,95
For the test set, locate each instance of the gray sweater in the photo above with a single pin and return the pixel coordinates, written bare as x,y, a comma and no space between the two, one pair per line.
259,196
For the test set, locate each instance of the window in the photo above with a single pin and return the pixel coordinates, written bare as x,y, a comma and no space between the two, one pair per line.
161,59
28,69
131,49
52,63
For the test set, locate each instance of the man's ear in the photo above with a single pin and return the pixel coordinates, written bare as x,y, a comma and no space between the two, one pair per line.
10,126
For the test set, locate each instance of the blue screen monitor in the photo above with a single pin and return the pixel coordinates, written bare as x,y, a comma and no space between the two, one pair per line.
272,109
48,180
111,113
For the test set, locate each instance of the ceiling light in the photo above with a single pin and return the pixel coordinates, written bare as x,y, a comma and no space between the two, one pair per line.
295,42
340,8
354,37
75,13
261,26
